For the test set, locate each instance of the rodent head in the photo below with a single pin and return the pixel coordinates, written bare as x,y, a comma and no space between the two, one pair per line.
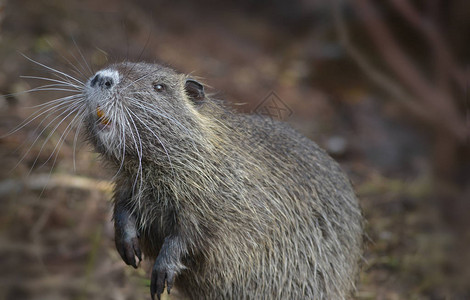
143,111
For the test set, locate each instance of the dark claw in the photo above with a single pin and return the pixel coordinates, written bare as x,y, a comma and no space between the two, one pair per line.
158,279
160,282
136,246
129,249
169,281
126,236
153,285
167,266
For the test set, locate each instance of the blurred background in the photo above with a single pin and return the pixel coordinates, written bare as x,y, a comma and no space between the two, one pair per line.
382,85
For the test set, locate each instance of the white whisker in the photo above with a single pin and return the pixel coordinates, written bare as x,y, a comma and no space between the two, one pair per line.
139,173
41,112
153,133
67,83
70,111
54,70
40,134
137,80
80,124
67,130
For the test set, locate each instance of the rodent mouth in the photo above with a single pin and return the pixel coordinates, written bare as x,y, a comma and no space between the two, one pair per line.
103,121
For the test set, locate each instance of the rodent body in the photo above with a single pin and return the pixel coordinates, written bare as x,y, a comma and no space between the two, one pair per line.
233,206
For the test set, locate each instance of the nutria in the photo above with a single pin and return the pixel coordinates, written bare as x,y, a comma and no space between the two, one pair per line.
228,205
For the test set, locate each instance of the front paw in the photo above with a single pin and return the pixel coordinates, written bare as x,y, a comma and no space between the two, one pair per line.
127,244
163,272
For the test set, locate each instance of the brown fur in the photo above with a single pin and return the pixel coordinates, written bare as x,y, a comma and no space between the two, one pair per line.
253,209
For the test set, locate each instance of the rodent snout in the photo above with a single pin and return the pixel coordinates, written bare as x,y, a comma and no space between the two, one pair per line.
106,79
102,81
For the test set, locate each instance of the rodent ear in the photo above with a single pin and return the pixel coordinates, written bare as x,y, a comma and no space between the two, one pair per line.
194,90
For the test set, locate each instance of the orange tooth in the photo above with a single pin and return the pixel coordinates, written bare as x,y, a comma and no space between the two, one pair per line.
102,118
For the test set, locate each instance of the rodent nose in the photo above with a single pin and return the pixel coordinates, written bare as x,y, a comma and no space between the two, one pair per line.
102,81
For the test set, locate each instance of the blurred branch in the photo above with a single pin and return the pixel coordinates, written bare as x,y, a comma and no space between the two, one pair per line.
434,37
48,181
380,78
433,105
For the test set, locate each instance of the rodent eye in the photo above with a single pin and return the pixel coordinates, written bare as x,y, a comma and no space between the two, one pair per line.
159,87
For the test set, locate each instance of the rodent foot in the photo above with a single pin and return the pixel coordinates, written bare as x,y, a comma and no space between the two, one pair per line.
127,242
162,273
129,249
